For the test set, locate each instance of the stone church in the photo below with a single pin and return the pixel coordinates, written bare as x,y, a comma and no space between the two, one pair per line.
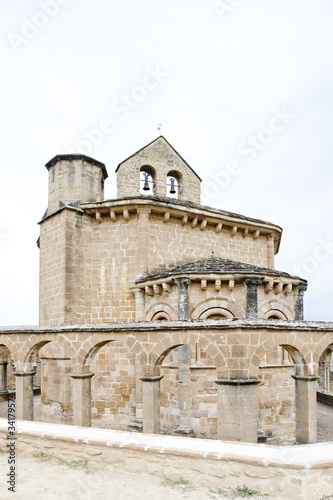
163,315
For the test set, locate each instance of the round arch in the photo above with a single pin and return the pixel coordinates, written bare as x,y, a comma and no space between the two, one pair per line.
298,351
277,308
159,310
169,342
227,307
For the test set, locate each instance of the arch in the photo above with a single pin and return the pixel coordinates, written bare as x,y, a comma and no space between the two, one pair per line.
323,345
276,308
171,341
297,349
161,309
174,182
228,308
217,312
147,180
275,314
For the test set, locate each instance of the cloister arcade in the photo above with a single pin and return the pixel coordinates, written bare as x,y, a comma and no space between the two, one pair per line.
236,350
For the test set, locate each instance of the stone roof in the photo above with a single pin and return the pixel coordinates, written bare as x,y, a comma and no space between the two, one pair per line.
75,157
216,266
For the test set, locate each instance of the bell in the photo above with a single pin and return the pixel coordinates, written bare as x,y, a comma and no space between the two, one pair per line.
172,189
146,184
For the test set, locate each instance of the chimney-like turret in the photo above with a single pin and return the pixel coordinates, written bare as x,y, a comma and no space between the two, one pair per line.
74,178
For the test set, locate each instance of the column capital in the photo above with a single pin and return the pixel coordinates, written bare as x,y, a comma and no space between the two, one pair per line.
143,213
139,292
241,381
302,287
82,375
3,362
255,281
149,378
25,374
306,378
182,282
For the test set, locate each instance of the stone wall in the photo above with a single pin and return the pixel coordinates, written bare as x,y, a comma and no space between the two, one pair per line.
162,158
302,472
277,403
113,387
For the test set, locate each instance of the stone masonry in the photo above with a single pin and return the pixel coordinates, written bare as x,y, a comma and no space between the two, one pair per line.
163,315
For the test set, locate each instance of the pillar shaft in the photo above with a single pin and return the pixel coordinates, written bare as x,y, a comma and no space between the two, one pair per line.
139,304
24,395
82,399
183,298
270,251
184,390
299,302
327,375
252,297
3,376
143,243
151,404
238,410
306,408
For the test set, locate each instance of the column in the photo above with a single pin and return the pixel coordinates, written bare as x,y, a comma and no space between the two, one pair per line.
184,391
151,404
238,410
82,399
3,376
137,422
139,304
252,297
24,395
183,298
143,240
326,375
299,302
306,408
270,251
38,372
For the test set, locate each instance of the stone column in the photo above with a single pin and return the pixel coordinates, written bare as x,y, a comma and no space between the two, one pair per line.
143,243
270,251
38,373
238,410
24,395
139,304
306,408
151,404
299,302
184,391
3,376
326,375
82,399
137,422
183,298
252,297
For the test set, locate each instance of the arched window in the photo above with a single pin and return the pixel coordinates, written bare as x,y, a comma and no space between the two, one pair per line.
174,184
147,180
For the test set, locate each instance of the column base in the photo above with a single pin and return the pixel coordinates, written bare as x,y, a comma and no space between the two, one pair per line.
184,431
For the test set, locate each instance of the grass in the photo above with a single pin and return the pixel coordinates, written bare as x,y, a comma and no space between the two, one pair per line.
239,492
74,464
179,483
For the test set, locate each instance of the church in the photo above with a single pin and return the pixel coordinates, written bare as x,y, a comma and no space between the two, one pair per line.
161,315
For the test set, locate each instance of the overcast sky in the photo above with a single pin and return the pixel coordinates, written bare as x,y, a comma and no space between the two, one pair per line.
243,90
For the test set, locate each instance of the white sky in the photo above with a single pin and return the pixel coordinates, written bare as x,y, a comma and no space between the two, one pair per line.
225,69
